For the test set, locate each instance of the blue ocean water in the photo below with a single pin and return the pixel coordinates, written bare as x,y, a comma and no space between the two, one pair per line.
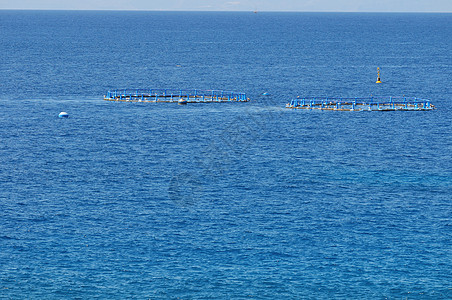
236,200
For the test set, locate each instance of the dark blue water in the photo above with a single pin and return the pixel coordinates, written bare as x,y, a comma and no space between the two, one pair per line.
236,201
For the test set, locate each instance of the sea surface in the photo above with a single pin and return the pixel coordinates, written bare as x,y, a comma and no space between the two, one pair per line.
224,201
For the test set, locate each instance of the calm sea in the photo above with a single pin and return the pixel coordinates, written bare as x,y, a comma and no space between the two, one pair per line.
223,201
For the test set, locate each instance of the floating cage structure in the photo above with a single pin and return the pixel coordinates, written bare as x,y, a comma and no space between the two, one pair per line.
362,104
173,95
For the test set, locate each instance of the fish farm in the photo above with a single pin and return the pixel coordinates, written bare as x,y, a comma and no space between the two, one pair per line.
362,104
174,95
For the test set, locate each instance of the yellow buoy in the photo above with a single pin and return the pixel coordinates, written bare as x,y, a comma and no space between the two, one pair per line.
378,74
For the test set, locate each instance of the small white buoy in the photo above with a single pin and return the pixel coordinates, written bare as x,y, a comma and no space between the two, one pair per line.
63,115
182,101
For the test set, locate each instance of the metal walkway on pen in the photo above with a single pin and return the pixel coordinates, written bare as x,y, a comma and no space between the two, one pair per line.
362,104
174,95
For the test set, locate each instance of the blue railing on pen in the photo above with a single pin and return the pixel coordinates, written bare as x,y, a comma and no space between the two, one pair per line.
171,93
375,100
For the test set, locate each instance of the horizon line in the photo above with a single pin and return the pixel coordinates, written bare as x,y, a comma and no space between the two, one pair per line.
226,11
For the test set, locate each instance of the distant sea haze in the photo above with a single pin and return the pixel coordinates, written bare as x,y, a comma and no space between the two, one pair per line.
223,200
362,6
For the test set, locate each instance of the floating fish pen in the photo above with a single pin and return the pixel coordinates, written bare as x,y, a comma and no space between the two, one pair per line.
173,95
362,104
